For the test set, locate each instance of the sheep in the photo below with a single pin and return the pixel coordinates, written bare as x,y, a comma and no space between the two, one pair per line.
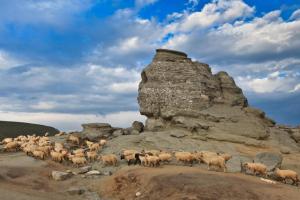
7,140
77,160
29,149
152,152
225,156
128,152
218,162
58,146
205,156
110,159
91,155
287,174
11,146
95,147
185,157
165,157
57,156
102,142
45,149
129,158
74,139
256,168
153,161
77,151
39,154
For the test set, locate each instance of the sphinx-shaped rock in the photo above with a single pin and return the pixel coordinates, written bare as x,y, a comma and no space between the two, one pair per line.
176,92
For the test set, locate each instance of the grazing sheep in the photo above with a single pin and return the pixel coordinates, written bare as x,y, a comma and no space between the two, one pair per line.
128,152
287,174
256,168
39,154
91,155
78,161
110,159
152,161
129,158
74,139
57,156
58,146
45,149
78,151
165,157
11,146
217,162
95,147
185,157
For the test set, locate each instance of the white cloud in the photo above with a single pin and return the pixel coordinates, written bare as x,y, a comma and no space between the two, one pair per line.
143,3
125,87
274,82
214,13
295,15
51,12
8,61
68,122
296,88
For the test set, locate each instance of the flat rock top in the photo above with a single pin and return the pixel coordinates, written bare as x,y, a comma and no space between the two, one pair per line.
96,125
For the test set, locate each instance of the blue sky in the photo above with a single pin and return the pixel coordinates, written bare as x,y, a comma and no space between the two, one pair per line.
67,62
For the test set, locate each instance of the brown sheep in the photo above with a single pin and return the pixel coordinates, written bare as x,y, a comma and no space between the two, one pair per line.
91,155
11,146
165,157
256,168
287,174
185,157
57,156
217,162
74,139
39,154
110,159
78,161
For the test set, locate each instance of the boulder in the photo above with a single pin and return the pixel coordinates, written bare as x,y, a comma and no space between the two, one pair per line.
95,131
176,92
271,160
234,165
60,176
118,133
285,150
76,190
177,134
84,169
296,135
138,126
93,172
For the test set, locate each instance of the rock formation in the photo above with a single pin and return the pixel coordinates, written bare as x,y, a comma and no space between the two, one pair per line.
176,92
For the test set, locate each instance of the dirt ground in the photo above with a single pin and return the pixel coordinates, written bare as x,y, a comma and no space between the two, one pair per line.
190,183
32,182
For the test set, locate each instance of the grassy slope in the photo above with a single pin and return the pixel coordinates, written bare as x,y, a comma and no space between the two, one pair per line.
13,129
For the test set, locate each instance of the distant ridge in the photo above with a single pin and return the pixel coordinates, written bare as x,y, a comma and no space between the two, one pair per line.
13,129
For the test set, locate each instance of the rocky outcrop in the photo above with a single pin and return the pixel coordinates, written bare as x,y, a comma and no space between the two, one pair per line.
94,131
178,93
271,160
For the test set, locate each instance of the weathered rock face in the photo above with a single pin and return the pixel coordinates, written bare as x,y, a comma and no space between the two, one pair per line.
94,131
173,85
176,92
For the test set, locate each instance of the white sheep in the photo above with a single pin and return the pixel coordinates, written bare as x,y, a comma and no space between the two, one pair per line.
165,157
153,161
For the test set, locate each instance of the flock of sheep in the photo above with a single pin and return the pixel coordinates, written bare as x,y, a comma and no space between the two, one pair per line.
79,152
